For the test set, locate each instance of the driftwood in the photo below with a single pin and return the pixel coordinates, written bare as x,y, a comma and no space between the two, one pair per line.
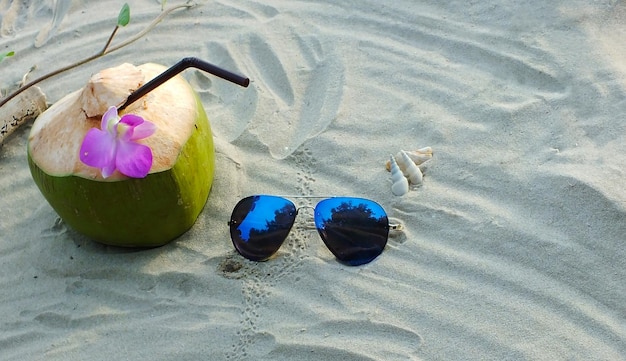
20,110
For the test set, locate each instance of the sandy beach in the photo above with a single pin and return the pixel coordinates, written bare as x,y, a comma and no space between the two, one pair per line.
513,248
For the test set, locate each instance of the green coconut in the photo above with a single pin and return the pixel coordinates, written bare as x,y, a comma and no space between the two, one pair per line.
122,211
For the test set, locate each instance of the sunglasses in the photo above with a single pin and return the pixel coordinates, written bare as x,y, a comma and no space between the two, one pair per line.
355,230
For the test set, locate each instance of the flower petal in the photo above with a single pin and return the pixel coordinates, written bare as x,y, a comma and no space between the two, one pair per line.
133,159
139,128
107,171
132,119
110,115
143,130
98,149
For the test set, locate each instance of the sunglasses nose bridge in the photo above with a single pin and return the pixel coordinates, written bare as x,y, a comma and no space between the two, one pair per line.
308,223
305,207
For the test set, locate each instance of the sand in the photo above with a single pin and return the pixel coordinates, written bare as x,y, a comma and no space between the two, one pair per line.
512,249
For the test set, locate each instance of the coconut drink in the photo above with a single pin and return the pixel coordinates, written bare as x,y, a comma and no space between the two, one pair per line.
137,178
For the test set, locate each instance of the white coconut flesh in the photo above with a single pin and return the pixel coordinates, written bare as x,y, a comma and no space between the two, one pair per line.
57,134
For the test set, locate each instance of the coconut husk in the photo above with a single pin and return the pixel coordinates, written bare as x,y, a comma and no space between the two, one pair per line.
56,136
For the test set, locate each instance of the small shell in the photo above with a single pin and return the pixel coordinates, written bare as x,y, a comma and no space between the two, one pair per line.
421,155
399,184
412,171
417,156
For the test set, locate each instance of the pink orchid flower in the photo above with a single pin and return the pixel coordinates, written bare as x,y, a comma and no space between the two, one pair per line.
114,146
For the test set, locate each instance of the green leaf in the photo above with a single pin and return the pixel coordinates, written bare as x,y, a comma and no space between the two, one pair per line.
124,17
6,55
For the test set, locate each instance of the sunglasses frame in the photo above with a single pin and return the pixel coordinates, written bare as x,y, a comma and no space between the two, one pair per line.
346,252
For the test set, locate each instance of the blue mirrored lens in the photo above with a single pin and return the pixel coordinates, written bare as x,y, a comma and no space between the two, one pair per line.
354,229
260,224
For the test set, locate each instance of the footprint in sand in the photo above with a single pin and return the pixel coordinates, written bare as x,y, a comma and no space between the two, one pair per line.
299,92
230,108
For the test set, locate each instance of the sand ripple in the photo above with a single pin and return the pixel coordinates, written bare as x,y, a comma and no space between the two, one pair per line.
513,248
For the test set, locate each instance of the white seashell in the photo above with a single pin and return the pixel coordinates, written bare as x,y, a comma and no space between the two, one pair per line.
421,155
399,184
400,161
411,170
418,157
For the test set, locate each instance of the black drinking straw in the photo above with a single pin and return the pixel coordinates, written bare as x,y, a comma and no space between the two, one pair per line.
190,62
